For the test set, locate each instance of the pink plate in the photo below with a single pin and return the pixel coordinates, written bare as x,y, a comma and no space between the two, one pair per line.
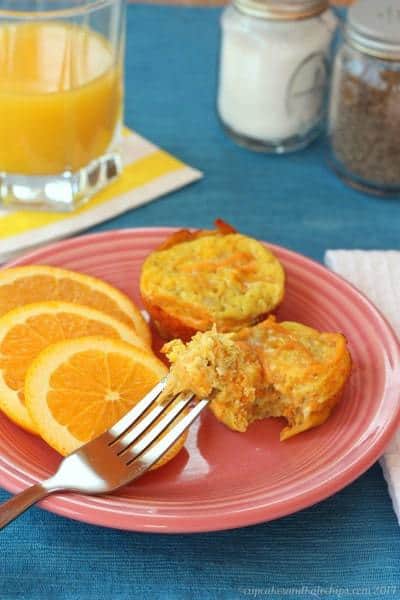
224,479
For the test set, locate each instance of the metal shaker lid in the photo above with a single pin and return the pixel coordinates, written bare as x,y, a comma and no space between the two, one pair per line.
373,26
282,10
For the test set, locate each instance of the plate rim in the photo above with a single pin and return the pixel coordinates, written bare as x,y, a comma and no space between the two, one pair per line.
63,504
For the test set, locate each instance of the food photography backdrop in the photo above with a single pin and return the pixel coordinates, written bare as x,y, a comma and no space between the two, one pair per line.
347,546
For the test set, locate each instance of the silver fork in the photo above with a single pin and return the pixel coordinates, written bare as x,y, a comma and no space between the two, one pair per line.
118,456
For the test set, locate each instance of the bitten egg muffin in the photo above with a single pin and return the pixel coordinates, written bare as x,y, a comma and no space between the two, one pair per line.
270,370
196,279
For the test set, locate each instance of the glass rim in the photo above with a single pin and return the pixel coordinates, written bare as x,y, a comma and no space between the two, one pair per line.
79,9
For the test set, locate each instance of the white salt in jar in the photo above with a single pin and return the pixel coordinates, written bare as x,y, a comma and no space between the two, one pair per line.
274,71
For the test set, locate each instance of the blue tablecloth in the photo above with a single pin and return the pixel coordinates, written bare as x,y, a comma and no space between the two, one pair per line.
345,547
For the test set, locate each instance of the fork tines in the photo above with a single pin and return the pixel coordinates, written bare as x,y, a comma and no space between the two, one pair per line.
147,424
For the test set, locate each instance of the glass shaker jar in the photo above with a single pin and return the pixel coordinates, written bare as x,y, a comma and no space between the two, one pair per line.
364,111
273,72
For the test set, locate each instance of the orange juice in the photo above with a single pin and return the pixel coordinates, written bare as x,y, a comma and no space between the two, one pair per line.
60,97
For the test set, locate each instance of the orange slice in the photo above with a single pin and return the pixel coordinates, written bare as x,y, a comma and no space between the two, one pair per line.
38,283
77,389
26,331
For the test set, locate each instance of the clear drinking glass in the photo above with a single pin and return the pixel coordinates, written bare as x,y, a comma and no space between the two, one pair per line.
61,100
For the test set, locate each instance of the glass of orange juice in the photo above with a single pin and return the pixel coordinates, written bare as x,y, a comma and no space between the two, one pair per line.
61,100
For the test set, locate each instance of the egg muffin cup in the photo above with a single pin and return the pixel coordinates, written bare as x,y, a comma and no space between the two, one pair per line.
198,279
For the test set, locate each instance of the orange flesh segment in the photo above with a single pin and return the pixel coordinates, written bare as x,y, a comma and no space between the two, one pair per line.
106,388
43,287
25,341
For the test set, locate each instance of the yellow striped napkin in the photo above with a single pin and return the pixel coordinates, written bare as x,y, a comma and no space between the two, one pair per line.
148,173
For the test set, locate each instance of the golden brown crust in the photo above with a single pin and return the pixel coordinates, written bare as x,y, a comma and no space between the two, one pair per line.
168,326
188,235
318,417
308,370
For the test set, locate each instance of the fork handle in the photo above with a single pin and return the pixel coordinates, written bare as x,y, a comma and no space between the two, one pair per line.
14,507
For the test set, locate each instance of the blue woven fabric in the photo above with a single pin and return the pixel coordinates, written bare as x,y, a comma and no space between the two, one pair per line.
345,547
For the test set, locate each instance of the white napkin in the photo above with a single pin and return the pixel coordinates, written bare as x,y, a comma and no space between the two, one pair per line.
363,269
149,172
